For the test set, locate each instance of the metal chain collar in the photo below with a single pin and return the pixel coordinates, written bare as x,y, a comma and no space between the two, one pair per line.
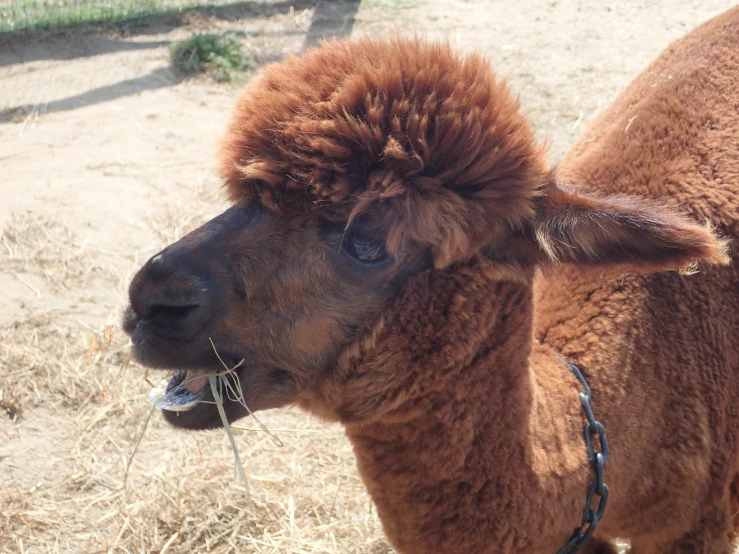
598,491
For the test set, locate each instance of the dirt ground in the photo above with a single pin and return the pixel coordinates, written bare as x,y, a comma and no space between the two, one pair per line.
106,155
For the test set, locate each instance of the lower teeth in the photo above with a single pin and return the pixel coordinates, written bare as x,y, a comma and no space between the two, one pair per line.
170,400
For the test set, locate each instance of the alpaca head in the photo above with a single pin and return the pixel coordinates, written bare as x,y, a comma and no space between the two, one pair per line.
351,170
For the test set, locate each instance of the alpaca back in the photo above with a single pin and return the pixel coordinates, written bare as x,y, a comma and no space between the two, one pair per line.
661,351
673,134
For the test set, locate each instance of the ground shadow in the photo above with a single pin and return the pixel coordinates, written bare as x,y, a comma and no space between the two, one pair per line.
83,42
232,12
75,45
162,77
331,19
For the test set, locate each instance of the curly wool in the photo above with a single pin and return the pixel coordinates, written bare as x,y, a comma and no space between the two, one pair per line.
429,136
466,427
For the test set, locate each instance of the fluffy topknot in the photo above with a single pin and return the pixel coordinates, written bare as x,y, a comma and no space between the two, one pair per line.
425,142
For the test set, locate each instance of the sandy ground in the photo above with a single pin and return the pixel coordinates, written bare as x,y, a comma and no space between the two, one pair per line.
106,155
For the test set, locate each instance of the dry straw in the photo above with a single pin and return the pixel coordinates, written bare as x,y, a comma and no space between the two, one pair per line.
87,466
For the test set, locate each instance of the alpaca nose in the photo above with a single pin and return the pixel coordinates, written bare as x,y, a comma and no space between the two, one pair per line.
172,296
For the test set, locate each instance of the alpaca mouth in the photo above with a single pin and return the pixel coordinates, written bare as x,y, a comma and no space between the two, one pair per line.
183,391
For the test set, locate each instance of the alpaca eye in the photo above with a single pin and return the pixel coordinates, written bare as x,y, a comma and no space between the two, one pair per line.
363,249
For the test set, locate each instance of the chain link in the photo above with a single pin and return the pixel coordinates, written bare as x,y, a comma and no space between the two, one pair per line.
598,491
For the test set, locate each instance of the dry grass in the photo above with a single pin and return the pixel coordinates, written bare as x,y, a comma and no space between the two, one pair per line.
49,356
77,410
47,249
181,495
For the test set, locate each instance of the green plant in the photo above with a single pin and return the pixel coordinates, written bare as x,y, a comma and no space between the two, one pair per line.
392,5
221,56
29,15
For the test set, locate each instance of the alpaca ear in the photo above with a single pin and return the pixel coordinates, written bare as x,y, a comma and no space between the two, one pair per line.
574,227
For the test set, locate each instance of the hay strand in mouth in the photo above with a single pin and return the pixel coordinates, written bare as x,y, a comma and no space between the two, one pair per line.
234,394
226,427
237,395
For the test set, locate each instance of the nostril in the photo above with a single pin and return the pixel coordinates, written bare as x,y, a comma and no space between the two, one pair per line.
172,297
164,315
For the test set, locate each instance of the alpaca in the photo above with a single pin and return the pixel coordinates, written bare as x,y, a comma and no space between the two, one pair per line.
399,258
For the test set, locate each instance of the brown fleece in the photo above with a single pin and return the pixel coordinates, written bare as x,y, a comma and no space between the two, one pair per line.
466,428
430,137
661,351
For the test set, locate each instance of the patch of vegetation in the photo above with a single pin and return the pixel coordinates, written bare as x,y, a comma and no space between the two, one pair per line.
392,5
29,15
220,56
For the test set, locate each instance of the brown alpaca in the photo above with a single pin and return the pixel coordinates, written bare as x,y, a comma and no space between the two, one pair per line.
400,259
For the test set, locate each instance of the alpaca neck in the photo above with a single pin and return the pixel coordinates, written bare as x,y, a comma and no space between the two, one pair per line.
472,424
